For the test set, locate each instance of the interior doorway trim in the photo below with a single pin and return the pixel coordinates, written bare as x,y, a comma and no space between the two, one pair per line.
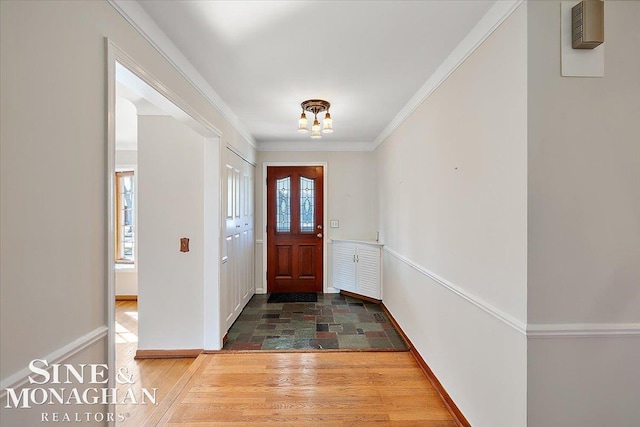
211,136
265,165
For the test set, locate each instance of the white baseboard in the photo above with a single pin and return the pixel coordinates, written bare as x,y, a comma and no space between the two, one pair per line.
58,356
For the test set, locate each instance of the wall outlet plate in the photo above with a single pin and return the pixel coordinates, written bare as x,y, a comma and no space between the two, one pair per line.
334,223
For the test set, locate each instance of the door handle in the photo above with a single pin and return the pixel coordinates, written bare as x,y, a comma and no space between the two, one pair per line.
319,226
319,235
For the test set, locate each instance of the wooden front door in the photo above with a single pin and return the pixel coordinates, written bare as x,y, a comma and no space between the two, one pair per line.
294,228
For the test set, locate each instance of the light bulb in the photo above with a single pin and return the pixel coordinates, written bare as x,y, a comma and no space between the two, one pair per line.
316,125
315,129
327,124
303,124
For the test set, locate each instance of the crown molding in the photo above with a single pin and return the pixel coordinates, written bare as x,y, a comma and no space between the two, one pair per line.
498,13
311,145
133,13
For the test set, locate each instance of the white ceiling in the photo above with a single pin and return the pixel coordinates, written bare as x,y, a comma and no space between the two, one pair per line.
368,58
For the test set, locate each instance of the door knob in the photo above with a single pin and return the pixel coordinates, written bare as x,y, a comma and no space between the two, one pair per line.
319,235
319,226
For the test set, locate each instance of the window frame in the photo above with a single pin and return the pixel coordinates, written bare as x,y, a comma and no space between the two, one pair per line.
119,256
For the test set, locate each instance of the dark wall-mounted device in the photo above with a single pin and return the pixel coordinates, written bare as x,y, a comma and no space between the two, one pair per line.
587,26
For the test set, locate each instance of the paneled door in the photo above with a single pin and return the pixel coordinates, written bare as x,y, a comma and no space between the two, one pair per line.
294,228
237,263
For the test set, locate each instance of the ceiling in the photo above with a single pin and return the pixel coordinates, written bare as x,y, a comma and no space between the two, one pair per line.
368,58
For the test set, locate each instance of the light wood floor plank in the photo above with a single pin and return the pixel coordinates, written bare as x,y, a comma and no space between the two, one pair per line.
162,374
303,389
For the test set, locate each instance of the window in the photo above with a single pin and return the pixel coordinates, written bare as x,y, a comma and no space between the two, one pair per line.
283,205
125,217
307,204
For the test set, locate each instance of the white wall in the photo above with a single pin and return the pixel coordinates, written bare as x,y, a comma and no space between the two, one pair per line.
126,158
584,226
53,176
452,182
350,194
171,206
126,124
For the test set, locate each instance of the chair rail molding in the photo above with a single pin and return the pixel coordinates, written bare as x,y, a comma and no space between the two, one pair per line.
57,356
509,320
583,330
530,330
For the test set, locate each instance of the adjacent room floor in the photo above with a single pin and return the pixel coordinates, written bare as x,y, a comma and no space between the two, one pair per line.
335,321
312,389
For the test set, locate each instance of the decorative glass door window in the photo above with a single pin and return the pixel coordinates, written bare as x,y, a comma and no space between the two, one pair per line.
283,205
307,205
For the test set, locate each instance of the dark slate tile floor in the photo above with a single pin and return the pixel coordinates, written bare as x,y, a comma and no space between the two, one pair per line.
334,322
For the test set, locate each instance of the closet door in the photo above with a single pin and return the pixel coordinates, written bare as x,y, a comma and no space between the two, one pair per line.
237,275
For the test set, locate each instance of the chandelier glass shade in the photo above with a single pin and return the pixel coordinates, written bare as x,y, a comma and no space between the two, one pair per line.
315,106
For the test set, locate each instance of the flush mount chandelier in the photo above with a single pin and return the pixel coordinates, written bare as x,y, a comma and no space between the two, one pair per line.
315,106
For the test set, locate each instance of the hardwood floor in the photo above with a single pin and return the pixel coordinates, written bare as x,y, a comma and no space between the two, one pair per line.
162,374
327,389
308,389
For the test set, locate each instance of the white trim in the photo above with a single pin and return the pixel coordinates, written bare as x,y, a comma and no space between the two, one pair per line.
58,356
583,330
237,152
500,11
498,314
211,301
135,74
312,145
325,174
260,284
112,55
143,24
362,242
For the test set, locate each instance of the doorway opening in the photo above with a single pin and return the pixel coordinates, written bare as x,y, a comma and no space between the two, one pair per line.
152,101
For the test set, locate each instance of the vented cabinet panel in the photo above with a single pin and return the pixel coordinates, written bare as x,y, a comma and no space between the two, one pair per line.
344,267
368,269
